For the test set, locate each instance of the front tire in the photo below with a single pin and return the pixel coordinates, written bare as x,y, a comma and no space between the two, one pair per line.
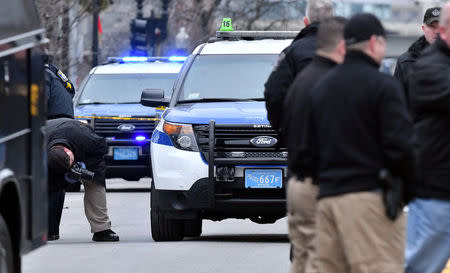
6,253
163,228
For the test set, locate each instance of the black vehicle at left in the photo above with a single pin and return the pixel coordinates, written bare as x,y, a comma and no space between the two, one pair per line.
23,172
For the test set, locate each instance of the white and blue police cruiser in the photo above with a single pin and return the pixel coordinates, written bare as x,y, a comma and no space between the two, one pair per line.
214,153
109,101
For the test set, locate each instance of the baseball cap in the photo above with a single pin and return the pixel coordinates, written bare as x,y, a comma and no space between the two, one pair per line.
431,15
361,27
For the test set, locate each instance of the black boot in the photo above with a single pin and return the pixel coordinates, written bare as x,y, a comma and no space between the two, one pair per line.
105,236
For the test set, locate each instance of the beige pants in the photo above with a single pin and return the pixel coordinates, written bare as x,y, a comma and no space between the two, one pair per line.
355,236
95,206
301,206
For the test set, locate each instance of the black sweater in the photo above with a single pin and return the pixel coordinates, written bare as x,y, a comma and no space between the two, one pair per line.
292,61
406,61
81,139
430,102
360,125
297,113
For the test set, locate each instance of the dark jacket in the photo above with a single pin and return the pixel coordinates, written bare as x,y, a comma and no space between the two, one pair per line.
291,62
360,125
430,103
59,99
81,139
297,113
405,63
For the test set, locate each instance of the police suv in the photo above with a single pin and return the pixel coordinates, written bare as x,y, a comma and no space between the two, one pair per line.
214,153
109,102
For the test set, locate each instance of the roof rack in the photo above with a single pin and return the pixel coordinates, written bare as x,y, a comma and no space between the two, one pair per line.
256,34
137,59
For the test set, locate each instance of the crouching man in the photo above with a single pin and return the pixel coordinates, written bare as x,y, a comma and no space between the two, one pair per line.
70,141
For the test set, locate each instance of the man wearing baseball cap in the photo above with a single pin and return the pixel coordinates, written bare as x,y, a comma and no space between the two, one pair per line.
360,125
430,29
428,231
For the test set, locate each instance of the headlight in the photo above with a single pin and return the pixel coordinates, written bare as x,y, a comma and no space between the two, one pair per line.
182,136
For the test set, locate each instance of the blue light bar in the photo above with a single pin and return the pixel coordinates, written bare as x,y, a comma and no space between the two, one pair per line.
134,59
177,58
140,138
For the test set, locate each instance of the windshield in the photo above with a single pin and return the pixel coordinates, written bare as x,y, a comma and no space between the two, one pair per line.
227,77
124,88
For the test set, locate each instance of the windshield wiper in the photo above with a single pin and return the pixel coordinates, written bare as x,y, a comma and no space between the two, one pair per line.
97,102
94,102
219,100
257,99
128,102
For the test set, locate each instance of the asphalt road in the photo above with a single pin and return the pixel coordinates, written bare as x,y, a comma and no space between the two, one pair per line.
226,246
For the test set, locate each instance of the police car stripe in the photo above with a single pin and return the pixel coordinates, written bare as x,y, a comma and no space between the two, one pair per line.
159,137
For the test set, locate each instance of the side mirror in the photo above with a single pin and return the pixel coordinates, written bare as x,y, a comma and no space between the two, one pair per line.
154,98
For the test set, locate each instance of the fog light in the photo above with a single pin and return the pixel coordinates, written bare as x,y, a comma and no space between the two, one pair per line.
184,141
225,174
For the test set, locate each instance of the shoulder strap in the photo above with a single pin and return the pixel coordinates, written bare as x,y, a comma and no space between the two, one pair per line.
60,75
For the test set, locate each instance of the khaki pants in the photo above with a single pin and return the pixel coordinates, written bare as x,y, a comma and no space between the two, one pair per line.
95,206
301,206
355,236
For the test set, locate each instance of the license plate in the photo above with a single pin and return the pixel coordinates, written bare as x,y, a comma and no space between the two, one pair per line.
264,178
125,153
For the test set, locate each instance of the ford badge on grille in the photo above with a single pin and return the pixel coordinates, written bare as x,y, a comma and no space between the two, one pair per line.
126,127
263,141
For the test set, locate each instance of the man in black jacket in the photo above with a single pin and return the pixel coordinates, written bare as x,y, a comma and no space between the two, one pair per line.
359,125
301,191
430,29
293,60
428,230
71,141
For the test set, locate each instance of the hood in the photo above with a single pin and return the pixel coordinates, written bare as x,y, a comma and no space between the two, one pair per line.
220,112
117,110
418,46
311,29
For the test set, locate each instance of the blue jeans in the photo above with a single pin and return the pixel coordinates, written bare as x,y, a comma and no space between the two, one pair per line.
427,236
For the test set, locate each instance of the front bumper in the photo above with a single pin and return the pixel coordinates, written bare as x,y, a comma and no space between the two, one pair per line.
221,201
128,169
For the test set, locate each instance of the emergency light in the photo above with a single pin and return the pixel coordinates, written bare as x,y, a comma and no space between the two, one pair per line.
256,34
140,138
177,59
136,59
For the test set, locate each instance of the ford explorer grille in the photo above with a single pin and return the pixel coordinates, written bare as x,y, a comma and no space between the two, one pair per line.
233,142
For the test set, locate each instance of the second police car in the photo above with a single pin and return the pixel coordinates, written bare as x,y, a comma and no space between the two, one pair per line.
214,153
109,101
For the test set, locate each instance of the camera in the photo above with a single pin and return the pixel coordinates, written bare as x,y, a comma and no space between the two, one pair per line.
78,173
